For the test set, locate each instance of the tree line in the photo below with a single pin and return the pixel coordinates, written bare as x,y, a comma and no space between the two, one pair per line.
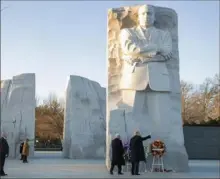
200,105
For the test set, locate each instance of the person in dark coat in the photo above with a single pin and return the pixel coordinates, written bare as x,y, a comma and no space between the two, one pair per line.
21,149
137,152
4,151
117,155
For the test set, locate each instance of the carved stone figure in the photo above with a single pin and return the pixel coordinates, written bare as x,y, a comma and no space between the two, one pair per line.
145,49
146,93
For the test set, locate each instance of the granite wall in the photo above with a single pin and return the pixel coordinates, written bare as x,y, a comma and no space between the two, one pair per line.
202,142
18,111
84,119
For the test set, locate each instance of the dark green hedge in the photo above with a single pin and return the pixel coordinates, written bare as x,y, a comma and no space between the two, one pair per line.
214,122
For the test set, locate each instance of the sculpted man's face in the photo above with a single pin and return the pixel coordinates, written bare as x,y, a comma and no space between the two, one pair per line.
146,16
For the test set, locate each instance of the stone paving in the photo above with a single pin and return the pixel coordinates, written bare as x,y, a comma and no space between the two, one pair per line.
52,165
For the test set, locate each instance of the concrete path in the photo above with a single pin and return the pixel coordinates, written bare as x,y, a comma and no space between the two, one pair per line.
52,165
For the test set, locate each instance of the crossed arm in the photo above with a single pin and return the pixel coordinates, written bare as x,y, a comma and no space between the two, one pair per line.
157,52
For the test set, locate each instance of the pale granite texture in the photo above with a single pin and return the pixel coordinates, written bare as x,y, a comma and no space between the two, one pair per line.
84,120
145,95
18,111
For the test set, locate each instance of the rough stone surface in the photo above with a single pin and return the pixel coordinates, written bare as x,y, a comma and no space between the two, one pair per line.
84,120
18,111
155,112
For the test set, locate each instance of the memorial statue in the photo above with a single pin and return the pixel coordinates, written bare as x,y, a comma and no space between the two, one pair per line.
145,51
146,94
145,79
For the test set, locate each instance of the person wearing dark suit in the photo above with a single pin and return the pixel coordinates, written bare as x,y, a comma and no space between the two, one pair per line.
137,152
21,148
4,151
117,155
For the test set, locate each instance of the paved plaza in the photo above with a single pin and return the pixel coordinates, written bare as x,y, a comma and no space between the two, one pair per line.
51,165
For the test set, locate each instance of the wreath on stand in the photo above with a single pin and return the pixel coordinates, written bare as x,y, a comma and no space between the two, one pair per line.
158,148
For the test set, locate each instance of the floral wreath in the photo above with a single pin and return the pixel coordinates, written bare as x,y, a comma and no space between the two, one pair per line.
158,144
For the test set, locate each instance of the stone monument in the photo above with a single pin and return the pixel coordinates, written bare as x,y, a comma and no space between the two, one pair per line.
84,119
18,111
143,80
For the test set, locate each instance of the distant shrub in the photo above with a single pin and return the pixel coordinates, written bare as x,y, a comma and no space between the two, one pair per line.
213,122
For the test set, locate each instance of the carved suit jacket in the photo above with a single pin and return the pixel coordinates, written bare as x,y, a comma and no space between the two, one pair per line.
152,74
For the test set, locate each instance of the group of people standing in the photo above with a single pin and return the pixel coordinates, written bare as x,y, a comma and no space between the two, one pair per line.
136,153
4,152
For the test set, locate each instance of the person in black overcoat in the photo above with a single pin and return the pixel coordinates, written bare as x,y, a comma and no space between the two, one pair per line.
21,149
117,155
4,151
137,152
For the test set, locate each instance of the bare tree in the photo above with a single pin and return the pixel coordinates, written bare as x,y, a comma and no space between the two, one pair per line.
215,110
186,95
202,104
208,92
37,99
3,8
62,102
